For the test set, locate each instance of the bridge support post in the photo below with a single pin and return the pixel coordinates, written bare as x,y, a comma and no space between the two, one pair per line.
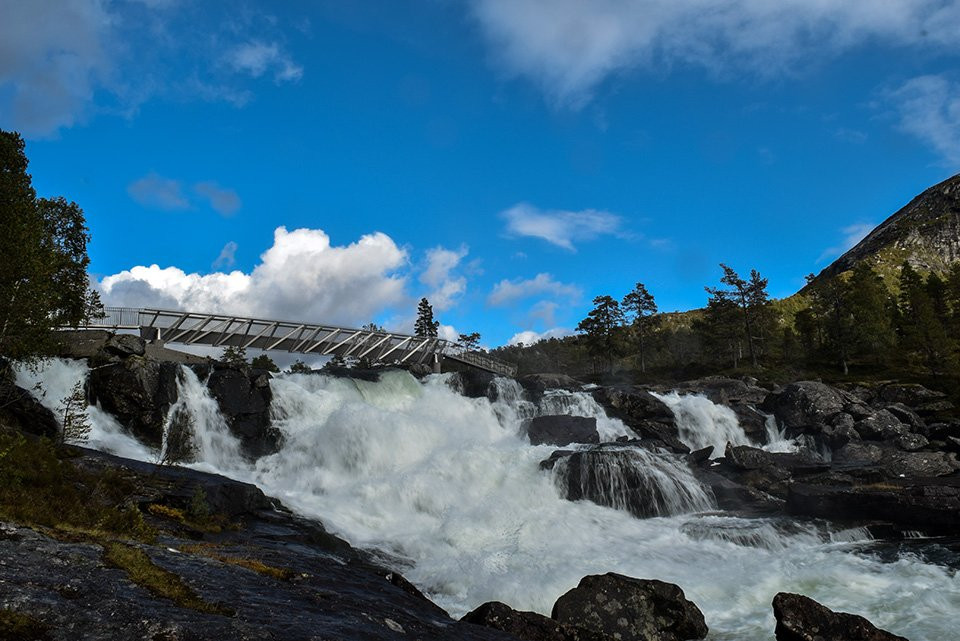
151,334
436,363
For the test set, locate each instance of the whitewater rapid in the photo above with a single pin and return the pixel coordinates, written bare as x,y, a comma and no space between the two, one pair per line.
449,490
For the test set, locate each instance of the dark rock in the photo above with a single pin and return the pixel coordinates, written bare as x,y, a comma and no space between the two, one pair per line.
474,383
895,463
21,411
880,426
562,430
910,394
800,618
910,442
944,429
934,407
539,383
244,398
124,345
700,456
642,412
528,626
138,392
630,609
737,497
806,403
906,416
625,478
768,472
838,431
928,504
742,396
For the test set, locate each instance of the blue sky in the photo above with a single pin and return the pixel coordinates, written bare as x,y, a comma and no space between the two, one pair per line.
509,159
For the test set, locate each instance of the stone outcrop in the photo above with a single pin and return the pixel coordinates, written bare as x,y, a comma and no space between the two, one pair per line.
244,396
561,430
642,412
800,618
138,392
528,626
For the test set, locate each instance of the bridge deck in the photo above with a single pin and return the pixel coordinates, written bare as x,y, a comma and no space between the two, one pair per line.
220,330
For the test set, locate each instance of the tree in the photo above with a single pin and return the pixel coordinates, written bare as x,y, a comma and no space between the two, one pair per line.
752,300
830,304
872,332
425,326
236,356
263,361
43,260
73,416
469,342
601,327
640,309
299,367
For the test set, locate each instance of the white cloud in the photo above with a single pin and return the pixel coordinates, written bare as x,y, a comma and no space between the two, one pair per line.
257,58
560,227
529,337
438,275
227,257
569,46
852,235
158,192
507,291
929,109
300,277
223,200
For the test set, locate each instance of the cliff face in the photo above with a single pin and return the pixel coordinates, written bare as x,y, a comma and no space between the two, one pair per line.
925,233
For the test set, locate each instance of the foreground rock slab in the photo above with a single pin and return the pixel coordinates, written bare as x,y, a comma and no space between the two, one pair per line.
800,618
629,609
528,626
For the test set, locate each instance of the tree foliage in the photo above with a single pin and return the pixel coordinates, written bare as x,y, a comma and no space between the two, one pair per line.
232,355
425,326
640,310
469,342
602,328
43,260
263,361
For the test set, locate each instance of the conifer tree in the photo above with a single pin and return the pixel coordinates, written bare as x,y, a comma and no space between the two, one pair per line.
425,326
601,328
872,331
752,300
640,309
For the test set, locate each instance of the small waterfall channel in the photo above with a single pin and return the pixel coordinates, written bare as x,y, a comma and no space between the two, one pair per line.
450,489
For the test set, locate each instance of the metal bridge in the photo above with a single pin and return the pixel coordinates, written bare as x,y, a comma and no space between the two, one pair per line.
221,330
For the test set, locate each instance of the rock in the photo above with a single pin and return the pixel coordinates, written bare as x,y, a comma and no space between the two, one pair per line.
895,464
700,456
768,472
528,626
800,618
473,383
629,609
138,392
642,412
838,431
626,478
910,394
562,430
539,383
19,410
944,429
244,398
805,404
906,416
880,426
931,505
124,345
742,395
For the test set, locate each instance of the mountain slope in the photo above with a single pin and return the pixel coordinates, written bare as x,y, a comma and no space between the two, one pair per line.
925,233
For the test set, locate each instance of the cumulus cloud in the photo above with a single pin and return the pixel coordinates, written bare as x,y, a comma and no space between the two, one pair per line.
300,277
224,201
852,235
929,109
157,192
446,287
257,58
558,227
569,46
509,291
227,257
529,337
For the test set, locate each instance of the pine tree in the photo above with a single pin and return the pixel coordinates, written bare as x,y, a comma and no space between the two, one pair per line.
830,304
73,416
299,367
872,331
469,342
425,326
236,356
601,327
263,361
753,302
640,308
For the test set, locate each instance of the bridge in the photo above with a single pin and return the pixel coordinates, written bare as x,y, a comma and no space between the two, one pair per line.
222,330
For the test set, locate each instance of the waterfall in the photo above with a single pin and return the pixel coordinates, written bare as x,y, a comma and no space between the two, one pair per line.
446,486
701,422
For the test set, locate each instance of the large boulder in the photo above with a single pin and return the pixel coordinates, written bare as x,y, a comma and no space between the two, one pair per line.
528,626
805,404
19,410
881,426
768,472
244,397
893,463
562,430
539,383
629,609
474,383
642,412
138,392
800,618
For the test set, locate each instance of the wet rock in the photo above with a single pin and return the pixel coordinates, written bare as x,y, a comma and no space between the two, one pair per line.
806,403
630,609
742,395
539,383
880,426
562,430
244,398
700,456
474,383
737,497
642,412
838,431
19,410
894,463
768,472
528,626
800,618
138,392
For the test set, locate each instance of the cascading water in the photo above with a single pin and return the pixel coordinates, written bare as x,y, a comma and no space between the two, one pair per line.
445,486
702,423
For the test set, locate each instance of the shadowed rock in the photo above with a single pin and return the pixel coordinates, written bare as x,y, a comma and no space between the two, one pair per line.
562,430
528,626
800,618
138,392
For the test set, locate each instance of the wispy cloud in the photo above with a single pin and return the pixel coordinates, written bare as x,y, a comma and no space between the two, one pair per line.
529,337
257,58
156,192
224,201
559,227
446,287
928,108
852,235
568,47
510,291
227,257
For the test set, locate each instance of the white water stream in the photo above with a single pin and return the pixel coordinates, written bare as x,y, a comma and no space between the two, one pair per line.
446,487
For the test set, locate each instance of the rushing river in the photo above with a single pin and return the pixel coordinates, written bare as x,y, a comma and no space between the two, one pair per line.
448,489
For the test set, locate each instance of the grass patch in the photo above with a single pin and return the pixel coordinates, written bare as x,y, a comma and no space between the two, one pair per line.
39,488
280,574
20,627
196,516
160,582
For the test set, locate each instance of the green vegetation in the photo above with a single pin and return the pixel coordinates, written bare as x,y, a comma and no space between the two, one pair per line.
209,550
73,416
43,261
425,325
264,362
234,356
299,367
160,582
15,626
